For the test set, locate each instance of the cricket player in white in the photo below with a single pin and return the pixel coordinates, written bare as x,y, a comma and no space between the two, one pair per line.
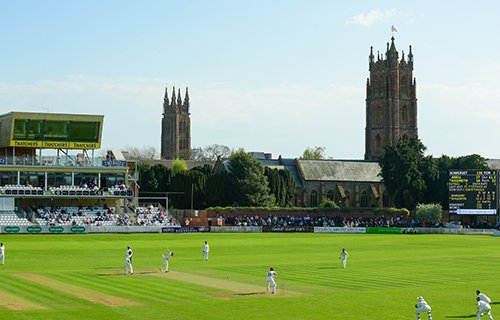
128,261
2,254
422,306
343,257
167,256
270,280
206,248
482,297
483,306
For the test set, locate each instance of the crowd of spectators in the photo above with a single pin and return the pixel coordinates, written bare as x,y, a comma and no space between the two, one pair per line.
80,216
392,221
317,221
153,216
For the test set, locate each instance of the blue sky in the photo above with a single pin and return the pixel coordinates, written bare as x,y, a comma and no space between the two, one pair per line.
272,76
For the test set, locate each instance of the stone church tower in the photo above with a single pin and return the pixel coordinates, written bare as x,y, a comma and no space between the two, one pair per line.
391,101
176,127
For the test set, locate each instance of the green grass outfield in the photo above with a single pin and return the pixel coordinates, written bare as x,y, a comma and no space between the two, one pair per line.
80,276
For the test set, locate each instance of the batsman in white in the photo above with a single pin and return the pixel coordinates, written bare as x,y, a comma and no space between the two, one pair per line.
2,254
343,256
482,307
206,249
166,257
270,280
128,261
422,306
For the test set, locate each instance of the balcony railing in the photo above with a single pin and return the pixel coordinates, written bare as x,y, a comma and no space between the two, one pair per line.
65,161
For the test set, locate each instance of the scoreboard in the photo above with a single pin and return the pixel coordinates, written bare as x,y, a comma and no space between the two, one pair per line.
473,192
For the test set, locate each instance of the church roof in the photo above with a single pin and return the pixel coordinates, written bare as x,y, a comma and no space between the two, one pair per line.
339,170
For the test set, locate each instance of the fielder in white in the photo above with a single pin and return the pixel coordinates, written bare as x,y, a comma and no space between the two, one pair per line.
343,257
270,280
482,307
422,306
482,297
128,261
167,256
2,254
206,249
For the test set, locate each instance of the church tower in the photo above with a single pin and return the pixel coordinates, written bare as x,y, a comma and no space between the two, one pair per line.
176,127
391,101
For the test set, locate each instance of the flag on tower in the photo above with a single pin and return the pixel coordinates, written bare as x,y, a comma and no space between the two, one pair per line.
393,29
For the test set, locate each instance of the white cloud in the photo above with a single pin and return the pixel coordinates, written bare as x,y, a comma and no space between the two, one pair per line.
374,16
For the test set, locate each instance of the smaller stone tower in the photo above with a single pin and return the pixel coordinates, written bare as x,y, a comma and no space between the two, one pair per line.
176,127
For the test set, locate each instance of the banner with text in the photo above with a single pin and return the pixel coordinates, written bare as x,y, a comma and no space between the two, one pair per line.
184,229
287,229
340,230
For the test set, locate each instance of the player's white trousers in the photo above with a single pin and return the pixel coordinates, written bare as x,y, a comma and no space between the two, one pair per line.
344,262
270,282
428,314
128,267
481,310
205,256
165,264
2,258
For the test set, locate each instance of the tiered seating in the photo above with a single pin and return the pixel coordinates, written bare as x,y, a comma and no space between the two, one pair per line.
10,218
75,191
154,216
95,216
15,189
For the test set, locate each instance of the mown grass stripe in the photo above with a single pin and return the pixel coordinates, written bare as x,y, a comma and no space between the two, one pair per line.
38,293
153,290
79,292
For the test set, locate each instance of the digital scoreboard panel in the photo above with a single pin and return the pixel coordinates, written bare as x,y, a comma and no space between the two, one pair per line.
473,192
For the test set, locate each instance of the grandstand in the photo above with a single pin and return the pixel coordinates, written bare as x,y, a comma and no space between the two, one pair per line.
50,173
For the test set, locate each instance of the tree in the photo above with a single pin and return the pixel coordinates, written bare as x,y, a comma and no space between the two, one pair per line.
281,185
211,152
327,203
178,166
247,181
429,213
402,172
144,153
147,179
315,153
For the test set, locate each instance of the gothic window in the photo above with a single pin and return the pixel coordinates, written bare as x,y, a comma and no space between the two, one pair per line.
378,115
404,114
313,199
378,141
364,199
329,195
403,87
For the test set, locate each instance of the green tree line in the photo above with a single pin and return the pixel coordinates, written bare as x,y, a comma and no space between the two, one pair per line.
245,183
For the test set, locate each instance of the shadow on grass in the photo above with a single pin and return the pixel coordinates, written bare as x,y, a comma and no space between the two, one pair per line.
123,274
495,302
320,268
251,293
463,317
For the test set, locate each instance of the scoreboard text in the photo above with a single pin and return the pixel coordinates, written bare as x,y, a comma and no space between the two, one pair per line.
473,192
